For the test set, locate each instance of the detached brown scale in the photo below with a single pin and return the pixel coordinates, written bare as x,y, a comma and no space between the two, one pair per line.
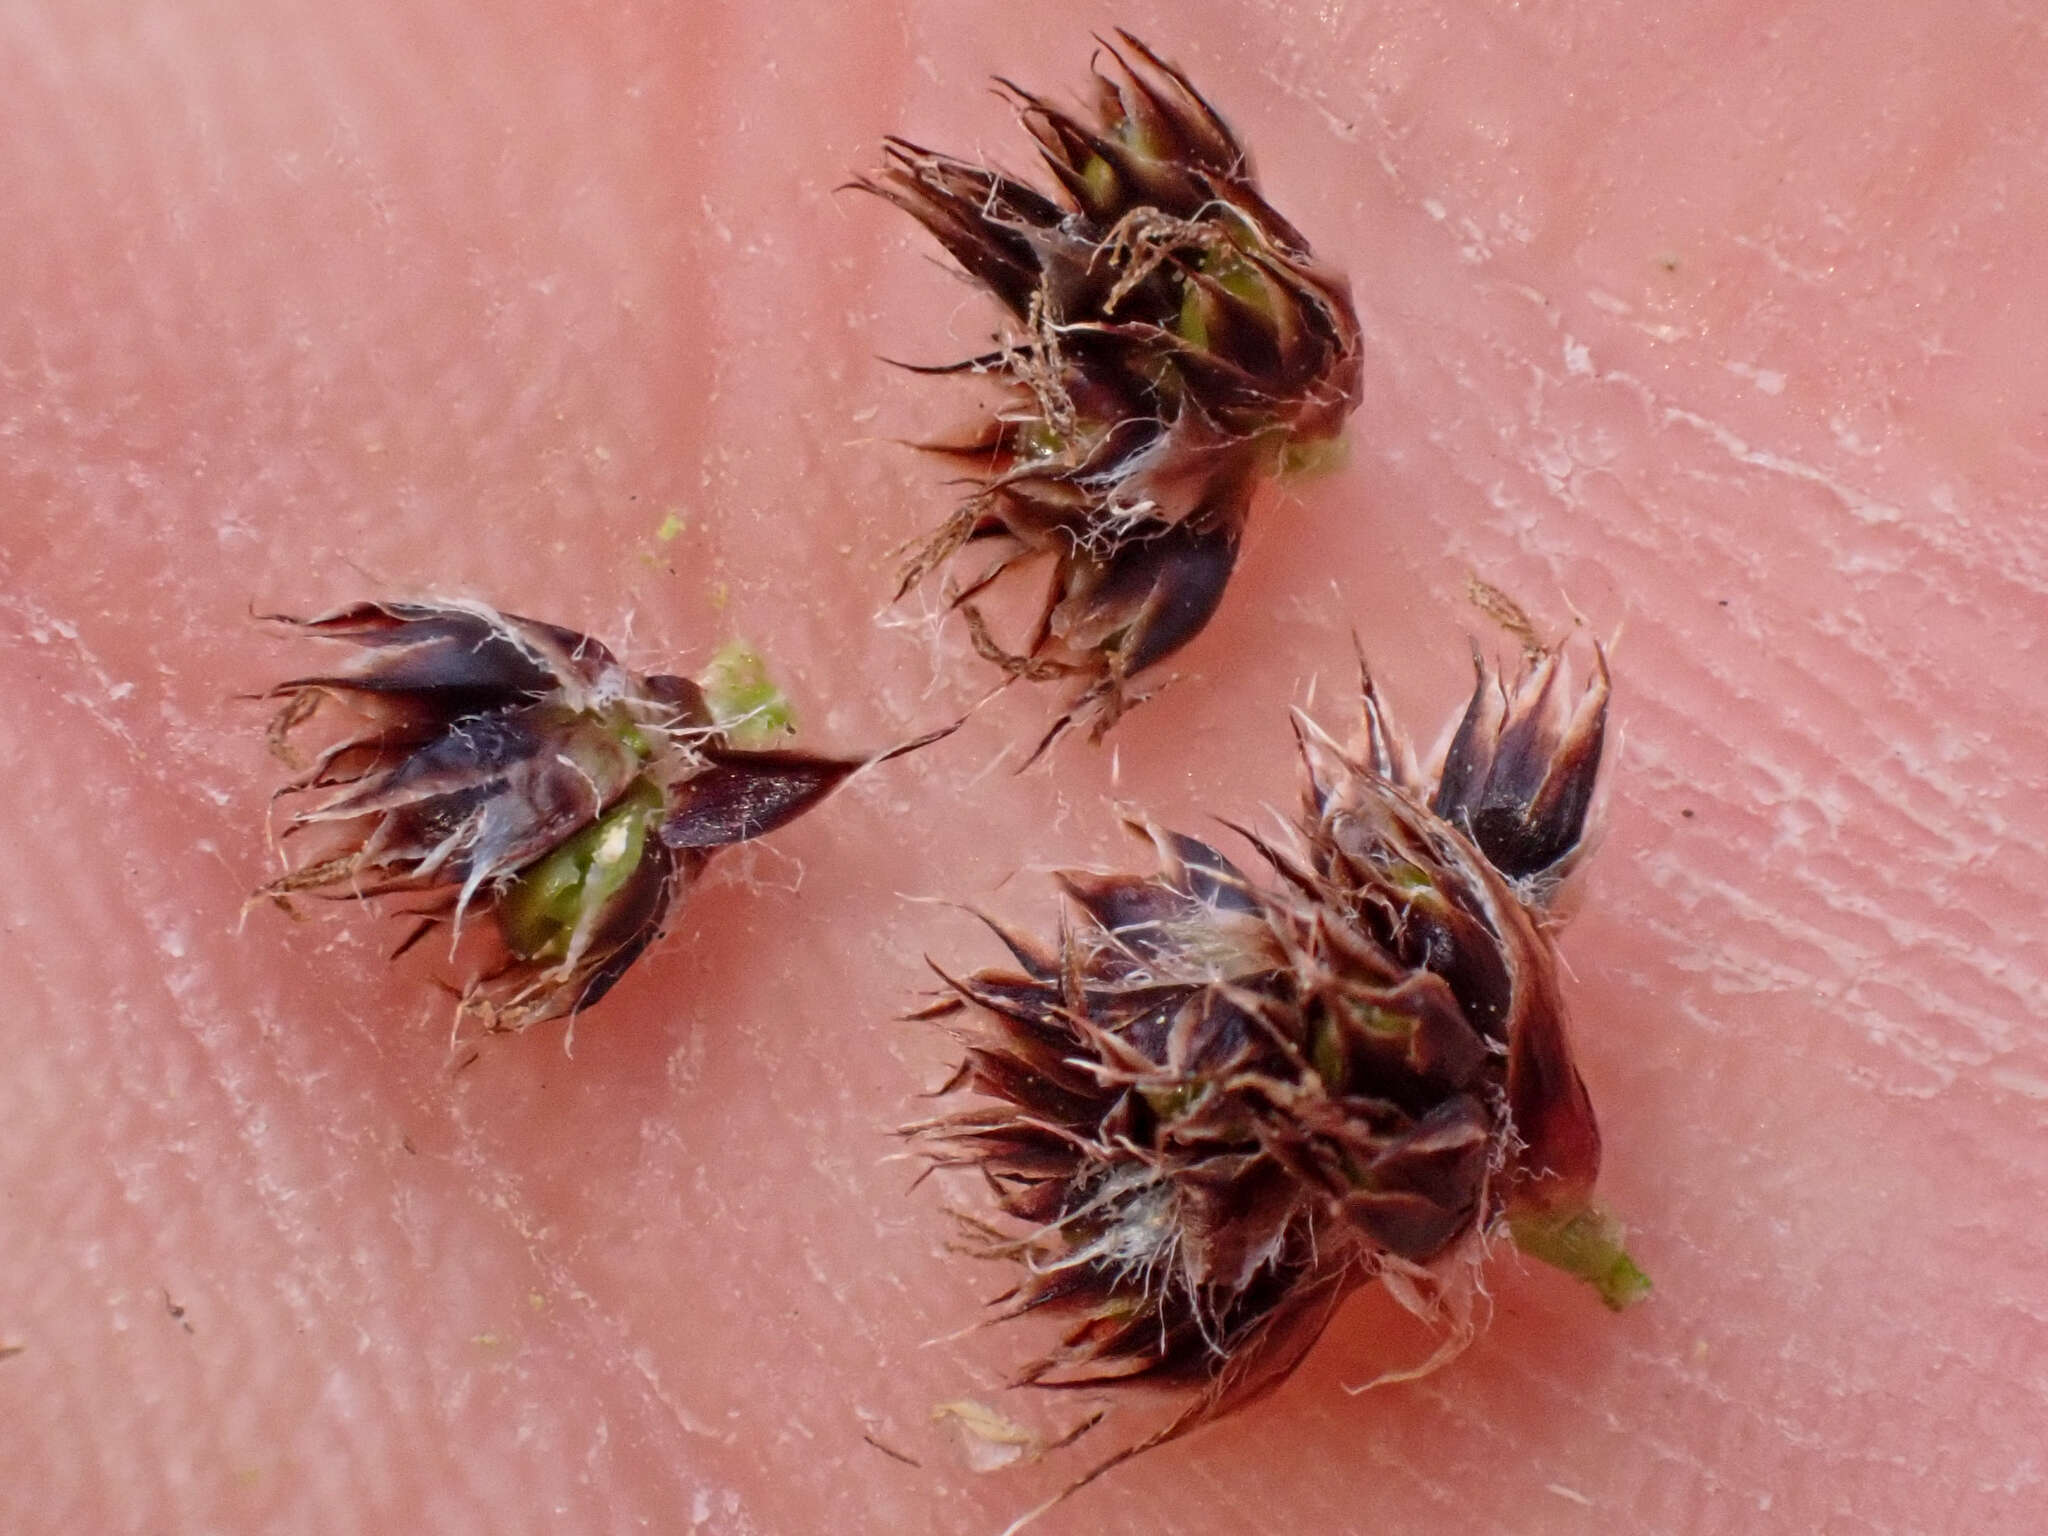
1215,1106
1174,338
499,765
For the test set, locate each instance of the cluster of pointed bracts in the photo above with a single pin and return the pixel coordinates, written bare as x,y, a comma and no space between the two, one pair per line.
1216,1105
1218,1101
499,765
1171,338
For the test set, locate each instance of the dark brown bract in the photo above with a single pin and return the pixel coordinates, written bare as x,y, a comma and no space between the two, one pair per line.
1215,1106
1173,338
498,765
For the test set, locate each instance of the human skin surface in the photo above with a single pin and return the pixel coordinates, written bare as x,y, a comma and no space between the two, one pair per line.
1717,325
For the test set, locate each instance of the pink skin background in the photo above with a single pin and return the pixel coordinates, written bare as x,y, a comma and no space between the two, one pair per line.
1721,324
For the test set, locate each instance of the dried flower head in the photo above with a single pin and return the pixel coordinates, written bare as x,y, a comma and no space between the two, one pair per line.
1173,338
501,765
1215,1106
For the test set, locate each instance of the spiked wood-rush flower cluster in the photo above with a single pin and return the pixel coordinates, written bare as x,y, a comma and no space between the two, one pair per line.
1172,338
504,766
1217,1105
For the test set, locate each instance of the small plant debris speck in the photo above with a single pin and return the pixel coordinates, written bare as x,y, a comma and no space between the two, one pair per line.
1214,1107
505,766
1171,339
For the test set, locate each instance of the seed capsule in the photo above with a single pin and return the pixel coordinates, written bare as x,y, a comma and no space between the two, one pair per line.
1217,1105
1174,338
515,768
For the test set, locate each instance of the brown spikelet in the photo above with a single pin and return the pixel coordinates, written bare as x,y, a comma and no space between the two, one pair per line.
1217,1105
499,765
1171,337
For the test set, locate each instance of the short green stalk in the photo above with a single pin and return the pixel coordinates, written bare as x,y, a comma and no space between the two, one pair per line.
1587,1242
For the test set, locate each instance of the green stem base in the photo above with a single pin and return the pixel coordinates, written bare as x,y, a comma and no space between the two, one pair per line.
1585,1242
